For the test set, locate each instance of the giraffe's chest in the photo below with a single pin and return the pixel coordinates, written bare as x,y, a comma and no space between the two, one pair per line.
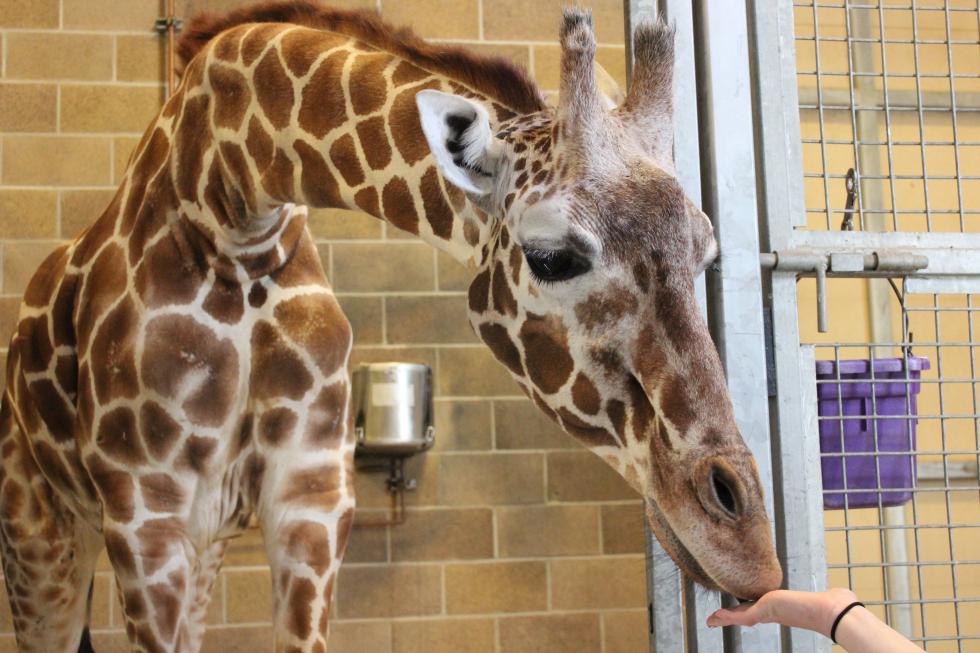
194,381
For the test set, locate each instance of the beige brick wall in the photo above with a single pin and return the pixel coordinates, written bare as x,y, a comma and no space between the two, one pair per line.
516,540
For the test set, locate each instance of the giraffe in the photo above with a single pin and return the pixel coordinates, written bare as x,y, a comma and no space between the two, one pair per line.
182,365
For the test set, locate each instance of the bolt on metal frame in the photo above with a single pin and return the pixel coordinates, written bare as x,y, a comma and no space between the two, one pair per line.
908,134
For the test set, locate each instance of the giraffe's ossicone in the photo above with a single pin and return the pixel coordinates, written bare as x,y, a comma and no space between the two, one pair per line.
182,365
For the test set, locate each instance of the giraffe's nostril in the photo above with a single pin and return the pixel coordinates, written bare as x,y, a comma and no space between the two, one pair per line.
724,492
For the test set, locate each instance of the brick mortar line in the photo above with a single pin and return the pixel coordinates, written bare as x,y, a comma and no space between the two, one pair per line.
414,564
478,40
496,506
384,318
81,31
521,42
422,618
616,557
597,503
106,83
49,188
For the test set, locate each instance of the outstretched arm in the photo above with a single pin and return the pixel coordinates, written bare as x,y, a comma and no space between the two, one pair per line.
859,631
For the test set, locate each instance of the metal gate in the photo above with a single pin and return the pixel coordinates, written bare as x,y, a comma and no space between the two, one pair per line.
849,132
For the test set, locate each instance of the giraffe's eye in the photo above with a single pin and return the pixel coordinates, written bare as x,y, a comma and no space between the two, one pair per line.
549,265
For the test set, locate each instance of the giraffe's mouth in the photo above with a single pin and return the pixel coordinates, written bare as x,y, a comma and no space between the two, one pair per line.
675,548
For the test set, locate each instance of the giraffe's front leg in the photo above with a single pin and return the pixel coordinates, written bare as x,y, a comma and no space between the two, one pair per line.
306,521
154,564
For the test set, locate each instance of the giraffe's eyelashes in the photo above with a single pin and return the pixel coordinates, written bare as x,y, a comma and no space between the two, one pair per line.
554,265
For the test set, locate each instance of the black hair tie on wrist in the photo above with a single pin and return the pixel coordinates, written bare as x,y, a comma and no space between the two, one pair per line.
833,629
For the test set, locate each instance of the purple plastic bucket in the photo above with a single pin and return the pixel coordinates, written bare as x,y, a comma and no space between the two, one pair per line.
889,477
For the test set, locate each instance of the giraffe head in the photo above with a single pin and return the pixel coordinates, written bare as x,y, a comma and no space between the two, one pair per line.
586,293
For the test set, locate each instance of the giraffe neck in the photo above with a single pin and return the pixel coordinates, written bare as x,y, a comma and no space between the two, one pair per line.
273,118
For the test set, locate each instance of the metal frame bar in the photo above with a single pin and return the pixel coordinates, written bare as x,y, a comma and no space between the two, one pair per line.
674,622
793,419
728,173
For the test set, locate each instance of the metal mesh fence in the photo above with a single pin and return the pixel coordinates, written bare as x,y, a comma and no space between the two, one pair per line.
892,91
899,449
890,121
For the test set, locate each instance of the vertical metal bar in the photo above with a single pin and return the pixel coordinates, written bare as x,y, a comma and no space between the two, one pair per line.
636,12
820,116
665,585
171,47
793,419
729,191
952,106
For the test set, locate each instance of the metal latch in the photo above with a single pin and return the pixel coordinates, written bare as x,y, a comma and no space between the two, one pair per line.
807,262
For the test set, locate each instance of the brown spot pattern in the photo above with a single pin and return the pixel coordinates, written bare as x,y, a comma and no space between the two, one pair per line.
316,323
367,200
545,343
301,597
193,140
166,276
585,395
319,186
257,295
259,144
503,298
276,425
479,292
161,493
676,404
196,454
343,153
277,180
407,73
399,206
309,542
274,89
231,96
607,307
119,439
406,127
225,302
503,348
323,108
177,346
374,142
437,210
256,40
115,486
323,421
300,48
277,371
160,432
367,86
317,487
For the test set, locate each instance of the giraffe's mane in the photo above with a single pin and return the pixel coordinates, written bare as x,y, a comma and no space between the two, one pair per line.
497,77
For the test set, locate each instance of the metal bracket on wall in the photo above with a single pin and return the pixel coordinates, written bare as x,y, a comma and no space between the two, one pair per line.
821,264
168,26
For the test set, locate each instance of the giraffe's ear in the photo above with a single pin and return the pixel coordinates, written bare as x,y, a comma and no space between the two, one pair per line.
459,135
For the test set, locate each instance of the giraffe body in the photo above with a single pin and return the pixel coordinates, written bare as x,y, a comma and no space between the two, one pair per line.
182,365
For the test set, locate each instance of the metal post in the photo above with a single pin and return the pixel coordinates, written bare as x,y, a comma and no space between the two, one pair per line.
729,191
793,401
665,586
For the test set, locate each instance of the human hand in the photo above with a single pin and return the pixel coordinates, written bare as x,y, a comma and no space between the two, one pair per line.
814,611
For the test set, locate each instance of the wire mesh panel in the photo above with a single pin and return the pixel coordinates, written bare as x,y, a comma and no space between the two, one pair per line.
899,447
889,100
890,89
